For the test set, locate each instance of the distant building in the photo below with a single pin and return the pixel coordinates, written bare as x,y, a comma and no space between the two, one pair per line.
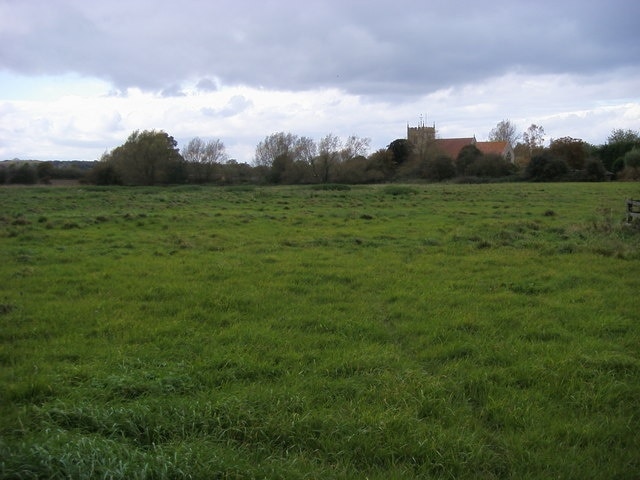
451,146
422,136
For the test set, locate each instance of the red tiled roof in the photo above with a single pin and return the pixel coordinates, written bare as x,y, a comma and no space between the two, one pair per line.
452,146
492,147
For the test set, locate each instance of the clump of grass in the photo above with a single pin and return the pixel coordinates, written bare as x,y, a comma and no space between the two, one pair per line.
20,221
29,392
240,188
6,308
399,190
331,186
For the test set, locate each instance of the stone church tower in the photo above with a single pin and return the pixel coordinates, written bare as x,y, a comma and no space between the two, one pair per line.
421,134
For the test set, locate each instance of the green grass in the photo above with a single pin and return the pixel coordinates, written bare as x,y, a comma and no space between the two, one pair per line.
423,331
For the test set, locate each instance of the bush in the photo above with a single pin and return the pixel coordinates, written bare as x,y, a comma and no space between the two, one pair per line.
438,169
618,165
544,168
632,158
467,157
104,173
629,173
490,166
24,173
594,170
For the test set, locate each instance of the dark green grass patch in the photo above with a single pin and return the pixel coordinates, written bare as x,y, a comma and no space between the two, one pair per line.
438,331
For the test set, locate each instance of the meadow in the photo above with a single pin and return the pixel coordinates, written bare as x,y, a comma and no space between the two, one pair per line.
393,331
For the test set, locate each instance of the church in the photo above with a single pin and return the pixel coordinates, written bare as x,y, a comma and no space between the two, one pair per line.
422,136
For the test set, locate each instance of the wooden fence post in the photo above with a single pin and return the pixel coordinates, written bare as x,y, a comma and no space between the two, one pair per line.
633,210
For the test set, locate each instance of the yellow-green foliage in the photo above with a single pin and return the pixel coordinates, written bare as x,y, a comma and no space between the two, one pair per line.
440,331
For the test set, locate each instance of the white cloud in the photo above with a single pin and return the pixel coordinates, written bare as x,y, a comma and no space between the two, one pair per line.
84,126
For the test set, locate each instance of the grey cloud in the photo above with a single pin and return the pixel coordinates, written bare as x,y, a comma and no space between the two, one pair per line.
236,104
173,91
383,48
207,85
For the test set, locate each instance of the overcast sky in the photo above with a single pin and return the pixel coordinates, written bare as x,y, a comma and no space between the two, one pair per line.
77,77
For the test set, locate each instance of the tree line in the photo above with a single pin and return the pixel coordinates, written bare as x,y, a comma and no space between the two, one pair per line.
152,157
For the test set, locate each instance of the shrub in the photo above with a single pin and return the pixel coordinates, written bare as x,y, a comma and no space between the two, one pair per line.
632,158
490,166
438,169
467,157
104,173
24,174
594,170
544,167
629,173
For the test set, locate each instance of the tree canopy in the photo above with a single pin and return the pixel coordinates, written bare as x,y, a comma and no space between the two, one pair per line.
149,157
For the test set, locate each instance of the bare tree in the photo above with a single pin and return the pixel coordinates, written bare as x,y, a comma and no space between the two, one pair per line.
505,131
328,156
276,145
306,150
355,146
285,155
204,158
199,151
533,138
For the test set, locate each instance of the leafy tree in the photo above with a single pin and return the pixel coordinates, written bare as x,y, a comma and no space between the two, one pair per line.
632,158
438,168
594,170
401,150
619,135
380,166
354,170
467,156
491,165
618,144
104,173
234,173
544,167
571,150
23,173
505,131
147,158
44,171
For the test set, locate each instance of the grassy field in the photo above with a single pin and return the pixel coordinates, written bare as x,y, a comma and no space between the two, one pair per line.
424,331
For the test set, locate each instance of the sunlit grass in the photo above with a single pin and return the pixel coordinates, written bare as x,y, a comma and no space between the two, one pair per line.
439,331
